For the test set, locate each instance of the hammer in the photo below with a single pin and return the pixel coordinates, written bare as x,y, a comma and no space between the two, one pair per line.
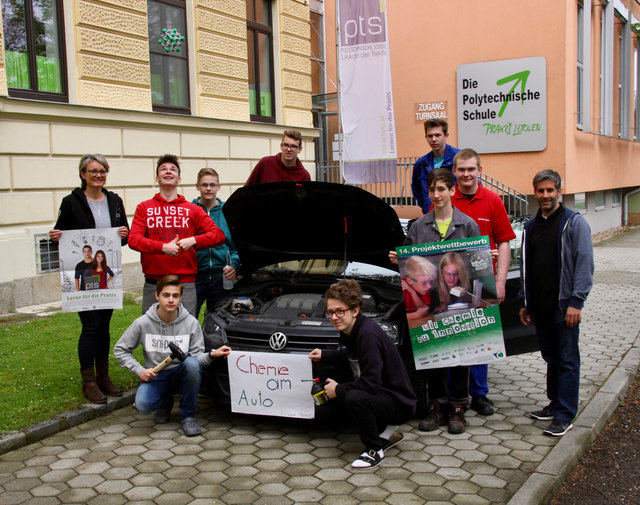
176,353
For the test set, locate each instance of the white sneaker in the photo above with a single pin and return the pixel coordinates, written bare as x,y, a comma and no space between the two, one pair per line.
368,459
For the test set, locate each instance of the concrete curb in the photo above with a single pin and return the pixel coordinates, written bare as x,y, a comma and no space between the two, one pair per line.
553,470
12,440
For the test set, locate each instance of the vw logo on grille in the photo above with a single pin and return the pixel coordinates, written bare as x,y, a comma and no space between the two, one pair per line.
278,341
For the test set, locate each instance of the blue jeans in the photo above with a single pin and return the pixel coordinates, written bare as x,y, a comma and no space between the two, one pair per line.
207,290
184,379
478,380
559,349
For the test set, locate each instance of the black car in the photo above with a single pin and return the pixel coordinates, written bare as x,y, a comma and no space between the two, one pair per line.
294,240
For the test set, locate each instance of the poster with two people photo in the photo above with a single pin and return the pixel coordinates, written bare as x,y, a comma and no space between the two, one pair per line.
90,269
450,297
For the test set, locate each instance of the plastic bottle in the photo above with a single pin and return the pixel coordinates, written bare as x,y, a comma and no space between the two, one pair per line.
317,391
227,283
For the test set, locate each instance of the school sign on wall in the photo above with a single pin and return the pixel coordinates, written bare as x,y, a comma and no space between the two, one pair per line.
502,105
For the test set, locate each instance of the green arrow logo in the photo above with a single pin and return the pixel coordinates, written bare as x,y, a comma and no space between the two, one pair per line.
520,78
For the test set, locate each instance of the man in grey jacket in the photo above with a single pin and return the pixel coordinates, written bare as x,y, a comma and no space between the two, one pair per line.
167,321
556,273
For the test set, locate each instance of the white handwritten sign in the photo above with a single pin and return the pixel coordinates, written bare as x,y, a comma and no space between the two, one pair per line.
271,384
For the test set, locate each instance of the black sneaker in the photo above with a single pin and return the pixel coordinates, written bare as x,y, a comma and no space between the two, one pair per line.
482,405
368,459
437,417
546,414
457,422
163,414
558,427
394,440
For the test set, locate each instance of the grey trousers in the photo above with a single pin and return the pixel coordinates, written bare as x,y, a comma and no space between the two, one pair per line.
188,297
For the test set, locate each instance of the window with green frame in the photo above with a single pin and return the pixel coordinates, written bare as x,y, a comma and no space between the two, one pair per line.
168,56
34,49
260,53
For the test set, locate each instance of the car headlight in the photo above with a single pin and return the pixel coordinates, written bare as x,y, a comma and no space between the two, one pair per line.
392,330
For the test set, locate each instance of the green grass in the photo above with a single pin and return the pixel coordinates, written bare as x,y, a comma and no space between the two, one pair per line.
40,371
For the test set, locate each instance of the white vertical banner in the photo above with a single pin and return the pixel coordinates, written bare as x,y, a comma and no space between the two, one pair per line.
366,97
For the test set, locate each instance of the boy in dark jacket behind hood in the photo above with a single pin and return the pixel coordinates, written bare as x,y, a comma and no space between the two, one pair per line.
167,321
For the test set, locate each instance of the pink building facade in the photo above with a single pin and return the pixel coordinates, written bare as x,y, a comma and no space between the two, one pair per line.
591,111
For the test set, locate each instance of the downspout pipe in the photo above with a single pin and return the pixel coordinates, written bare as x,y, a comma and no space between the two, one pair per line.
625,206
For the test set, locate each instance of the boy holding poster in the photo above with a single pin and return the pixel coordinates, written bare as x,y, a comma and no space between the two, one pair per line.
447,402
381,393
167,321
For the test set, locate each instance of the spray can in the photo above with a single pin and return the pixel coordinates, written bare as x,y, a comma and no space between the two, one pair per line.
317,391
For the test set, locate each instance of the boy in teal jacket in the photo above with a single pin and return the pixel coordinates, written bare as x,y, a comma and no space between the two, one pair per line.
212,262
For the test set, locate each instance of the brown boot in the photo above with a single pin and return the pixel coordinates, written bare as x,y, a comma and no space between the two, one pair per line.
437,417
90,388
104,381
457,422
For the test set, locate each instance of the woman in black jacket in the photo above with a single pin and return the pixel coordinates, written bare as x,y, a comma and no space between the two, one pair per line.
92,206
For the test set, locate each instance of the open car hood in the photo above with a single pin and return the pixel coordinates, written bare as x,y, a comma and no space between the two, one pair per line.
283,221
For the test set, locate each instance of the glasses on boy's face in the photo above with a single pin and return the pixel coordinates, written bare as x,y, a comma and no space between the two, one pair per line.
424,282
339,313
293,147
212,185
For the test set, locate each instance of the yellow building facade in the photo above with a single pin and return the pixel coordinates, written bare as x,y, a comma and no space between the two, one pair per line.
95,77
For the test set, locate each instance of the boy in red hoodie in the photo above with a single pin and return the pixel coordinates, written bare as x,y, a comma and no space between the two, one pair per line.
167,230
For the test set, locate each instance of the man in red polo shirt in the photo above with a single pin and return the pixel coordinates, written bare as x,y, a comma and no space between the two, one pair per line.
488,211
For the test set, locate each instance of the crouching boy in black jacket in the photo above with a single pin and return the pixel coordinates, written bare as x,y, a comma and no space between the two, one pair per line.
381,394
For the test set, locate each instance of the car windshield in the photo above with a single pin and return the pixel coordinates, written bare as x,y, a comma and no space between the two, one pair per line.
334,268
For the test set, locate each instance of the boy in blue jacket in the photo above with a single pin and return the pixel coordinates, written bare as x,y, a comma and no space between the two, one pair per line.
212,262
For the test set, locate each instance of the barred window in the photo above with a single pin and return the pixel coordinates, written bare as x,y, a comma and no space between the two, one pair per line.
47,259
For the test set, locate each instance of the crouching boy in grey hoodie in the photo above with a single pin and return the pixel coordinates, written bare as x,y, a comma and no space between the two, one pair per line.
167,321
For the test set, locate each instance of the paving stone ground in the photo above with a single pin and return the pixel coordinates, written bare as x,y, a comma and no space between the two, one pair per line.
122,457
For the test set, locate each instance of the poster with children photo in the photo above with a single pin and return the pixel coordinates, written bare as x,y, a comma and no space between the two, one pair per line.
450,296
90,269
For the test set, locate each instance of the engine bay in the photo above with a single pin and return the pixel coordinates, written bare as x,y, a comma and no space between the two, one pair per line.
274,302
